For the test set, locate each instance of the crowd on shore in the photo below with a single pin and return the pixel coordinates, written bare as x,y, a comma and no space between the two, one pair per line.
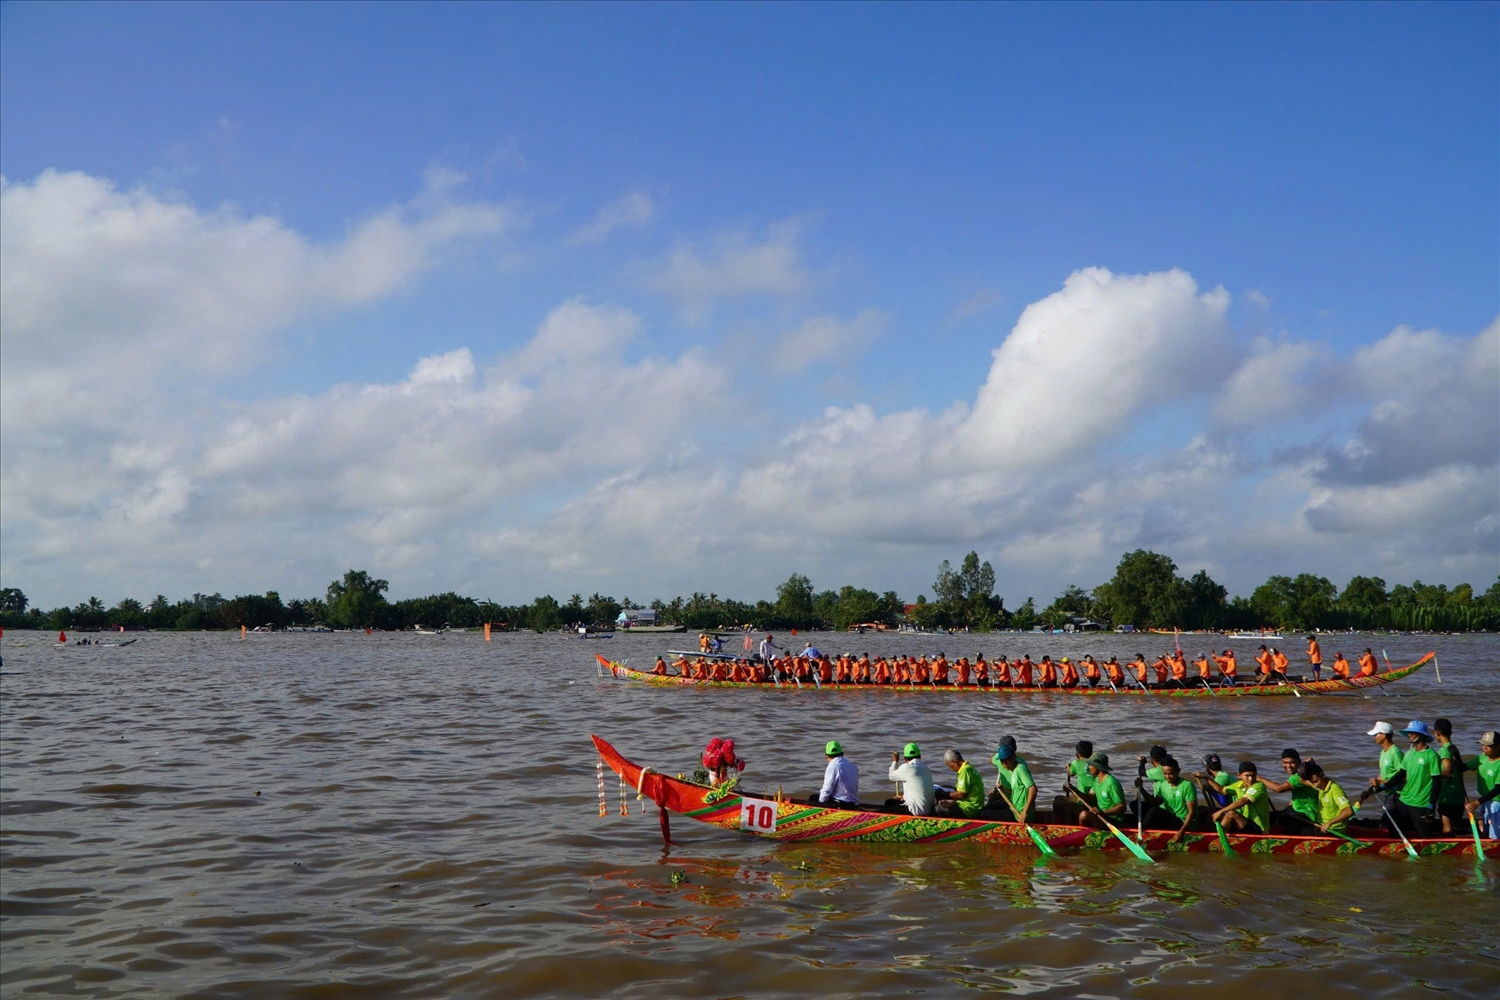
1169,670
1421,788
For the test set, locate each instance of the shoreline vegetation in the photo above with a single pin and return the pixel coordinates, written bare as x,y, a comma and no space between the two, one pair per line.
1146,592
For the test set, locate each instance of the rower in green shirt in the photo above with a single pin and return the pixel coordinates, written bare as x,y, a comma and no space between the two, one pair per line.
1014,779
1249,808
1334,808
1215,776
1302,815
1174,802
1485,808
1106,797
1066,808
1391,757
1417,783
1452,796
967,798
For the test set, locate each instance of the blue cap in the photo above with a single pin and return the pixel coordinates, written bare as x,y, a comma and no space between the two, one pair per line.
1419,728
1004,752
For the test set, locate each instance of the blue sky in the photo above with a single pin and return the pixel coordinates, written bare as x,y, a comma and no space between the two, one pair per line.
914,176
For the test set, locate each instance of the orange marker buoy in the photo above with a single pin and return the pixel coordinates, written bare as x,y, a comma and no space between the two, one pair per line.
62,637
242,632
486,631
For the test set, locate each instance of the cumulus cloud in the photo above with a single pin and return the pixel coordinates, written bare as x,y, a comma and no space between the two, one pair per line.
1078,361
555,465
1271,385
136,283
734,267
634,209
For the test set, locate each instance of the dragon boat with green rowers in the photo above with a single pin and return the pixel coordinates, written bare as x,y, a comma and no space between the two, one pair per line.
775,817
1278,687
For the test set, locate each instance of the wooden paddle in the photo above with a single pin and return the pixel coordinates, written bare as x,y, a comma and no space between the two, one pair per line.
1036,838
1134,848
1478,847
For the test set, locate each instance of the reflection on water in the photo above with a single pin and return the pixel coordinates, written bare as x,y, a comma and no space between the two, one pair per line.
315,815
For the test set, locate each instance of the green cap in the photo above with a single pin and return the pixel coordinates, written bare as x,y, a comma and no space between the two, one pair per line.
911,750
832,748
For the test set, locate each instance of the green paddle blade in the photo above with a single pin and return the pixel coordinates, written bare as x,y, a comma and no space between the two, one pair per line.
1223,838
1135,848
1478,847
1041,843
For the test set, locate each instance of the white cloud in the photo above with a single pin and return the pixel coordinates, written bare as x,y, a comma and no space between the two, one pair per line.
138,285
821,338
1080,360
736,267
634,209
555,466
1271,385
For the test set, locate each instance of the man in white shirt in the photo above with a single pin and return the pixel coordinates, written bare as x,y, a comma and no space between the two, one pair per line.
840,780
767,648
917,793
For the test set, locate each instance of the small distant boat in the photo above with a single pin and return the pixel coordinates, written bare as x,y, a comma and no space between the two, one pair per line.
1254,635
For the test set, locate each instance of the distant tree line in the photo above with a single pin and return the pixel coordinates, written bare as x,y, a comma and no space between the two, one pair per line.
1146,591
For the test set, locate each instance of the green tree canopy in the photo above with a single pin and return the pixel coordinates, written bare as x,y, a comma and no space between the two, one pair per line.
356,601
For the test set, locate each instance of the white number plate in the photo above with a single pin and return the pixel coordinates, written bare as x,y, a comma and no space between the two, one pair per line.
757,815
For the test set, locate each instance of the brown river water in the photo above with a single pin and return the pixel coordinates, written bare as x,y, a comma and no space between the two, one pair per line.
309,815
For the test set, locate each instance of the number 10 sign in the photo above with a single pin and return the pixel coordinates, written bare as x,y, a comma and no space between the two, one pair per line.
757,815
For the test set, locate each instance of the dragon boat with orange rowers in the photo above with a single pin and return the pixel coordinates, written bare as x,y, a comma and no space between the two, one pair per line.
776,818
727,672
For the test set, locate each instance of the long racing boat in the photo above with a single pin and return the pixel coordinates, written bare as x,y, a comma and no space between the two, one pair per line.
1286,689
777,818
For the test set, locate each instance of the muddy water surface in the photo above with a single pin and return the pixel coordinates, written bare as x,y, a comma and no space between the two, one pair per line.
405,816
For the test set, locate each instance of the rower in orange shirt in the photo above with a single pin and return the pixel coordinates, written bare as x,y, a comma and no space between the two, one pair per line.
1178,664
1366,664
1204,668
1228,667
1002,672
1340,667
660,669
981,671
1023,671
940,670
1068,672
919,672
1116,674
1090,669
825,670
1263,658
882,671
1139,666
1047,673
1315,656
1161,665
963,671
1279,662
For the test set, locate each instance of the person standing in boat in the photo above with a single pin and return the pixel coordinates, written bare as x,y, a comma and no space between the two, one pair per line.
840,780
1417,784
917,792
768,649
1315,657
